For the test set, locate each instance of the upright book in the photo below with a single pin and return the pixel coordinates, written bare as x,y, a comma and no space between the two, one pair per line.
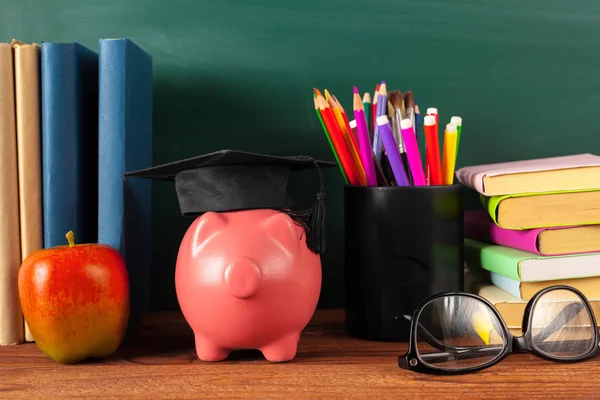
69,142
573,172
125,143
11,317
29,143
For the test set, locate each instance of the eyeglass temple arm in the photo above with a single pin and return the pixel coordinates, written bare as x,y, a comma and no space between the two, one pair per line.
429,338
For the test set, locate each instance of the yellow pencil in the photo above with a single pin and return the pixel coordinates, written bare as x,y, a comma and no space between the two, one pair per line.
449,158
339,117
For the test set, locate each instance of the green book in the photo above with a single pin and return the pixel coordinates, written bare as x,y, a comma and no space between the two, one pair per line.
523,266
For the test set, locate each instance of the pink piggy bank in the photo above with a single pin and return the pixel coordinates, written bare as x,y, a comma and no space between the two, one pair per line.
247,280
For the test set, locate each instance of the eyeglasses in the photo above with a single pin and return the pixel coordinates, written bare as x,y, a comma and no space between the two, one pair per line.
456,332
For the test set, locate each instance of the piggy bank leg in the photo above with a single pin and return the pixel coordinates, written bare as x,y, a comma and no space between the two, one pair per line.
283,349
208,351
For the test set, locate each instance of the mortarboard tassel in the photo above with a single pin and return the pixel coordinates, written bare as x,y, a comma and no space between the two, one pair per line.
313,219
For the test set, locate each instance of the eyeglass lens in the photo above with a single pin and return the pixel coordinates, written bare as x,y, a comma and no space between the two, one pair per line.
561,325
457,332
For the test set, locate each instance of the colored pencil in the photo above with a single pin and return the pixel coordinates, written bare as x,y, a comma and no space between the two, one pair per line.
353,128
449,160
367,107
381,110
351,142
346,122
391,148
362,129
458,122
337,159
432,150
412,152
337,139
374,111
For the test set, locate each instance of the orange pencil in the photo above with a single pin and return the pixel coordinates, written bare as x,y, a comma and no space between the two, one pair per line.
337,139
350,139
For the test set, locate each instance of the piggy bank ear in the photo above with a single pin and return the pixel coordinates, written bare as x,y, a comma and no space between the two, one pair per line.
207,227
281,229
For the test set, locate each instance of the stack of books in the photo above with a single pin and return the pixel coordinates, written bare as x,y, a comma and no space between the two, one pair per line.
72,121
539,227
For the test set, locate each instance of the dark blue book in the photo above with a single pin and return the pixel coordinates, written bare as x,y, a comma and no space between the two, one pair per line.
125,144
69,142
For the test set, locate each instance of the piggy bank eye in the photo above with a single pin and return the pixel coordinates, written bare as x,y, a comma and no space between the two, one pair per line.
282,230
207,227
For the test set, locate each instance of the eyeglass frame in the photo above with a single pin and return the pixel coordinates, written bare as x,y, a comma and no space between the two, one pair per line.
412,361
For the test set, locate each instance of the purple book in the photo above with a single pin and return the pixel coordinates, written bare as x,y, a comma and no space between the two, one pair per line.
551,241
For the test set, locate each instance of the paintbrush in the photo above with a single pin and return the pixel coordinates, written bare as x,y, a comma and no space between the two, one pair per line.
409,102
396,101
393,99
417,121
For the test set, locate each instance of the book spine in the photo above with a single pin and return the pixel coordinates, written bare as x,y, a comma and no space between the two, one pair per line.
11,317
493,258
111,145
479,226
69,137
125,143
27,83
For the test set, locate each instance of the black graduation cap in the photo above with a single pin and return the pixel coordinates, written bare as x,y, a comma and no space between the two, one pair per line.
231,180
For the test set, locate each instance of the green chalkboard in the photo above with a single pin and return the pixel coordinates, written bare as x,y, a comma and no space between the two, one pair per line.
239,74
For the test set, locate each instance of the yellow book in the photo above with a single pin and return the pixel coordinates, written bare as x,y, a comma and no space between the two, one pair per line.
540,210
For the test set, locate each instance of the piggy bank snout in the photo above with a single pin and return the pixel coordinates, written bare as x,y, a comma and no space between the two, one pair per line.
243,277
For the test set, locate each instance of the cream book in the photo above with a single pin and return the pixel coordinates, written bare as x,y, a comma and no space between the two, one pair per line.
27,93
572,172
590,287
512,308
11,317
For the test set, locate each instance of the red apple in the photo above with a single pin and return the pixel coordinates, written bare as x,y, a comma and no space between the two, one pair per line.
75,299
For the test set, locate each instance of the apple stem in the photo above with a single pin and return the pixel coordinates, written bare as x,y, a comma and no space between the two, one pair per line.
71,238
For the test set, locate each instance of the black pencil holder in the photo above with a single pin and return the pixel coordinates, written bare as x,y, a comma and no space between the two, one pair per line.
402,244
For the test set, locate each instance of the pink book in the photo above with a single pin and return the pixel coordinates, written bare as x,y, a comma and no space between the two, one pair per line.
479,226
574,172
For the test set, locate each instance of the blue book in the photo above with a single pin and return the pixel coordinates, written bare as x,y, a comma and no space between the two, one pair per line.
125,144
69,80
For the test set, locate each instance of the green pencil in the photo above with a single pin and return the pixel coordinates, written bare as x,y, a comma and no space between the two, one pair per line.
329,139
366,100
458,122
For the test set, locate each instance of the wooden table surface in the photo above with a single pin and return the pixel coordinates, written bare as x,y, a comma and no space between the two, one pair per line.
160,362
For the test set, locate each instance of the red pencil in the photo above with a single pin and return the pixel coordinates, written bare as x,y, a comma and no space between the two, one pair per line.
337,139
432,150
347,123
